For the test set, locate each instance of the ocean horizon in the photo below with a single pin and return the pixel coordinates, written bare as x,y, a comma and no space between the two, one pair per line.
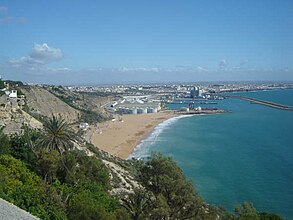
246,155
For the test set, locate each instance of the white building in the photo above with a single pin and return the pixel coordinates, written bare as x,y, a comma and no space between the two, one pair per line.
13,94
84,126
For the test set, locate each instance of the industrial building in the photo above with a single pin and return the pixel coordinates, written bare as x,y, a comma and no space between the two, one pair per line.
195,92
136,105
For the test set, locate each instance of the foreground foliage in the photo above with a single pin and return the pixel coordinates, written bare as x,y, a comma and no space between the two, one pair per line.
55,181
42,172
26,190
167,182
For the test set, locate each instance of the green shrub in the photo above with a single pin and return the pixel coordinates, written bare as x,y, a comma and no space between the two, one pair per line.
23,188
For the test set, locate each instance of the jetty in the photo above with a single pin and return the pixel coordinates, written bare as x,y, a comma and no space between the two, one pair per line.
203,111
263,102
192,102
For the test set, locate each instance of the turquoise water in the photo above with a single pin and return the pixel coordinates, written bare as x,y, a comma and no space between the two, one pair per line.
242,156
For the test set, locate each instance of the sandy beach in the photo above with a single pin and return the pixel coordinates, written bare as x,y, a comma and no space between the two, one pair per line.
120,136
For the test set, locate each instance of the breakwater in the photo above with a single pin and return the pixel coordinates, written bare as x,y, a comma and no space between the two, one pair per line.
203,111
263,102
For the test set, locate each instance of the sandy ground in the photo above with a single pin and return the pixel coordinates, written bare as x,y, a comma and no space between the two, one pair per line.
120,136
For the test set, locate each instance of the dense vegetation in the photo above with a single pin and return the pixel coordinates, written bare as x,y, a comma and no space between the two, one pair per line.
2,84
43,173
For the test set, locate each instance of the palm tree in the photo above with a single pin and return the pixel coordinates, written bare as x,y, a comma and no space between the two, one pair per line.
58,135
138,204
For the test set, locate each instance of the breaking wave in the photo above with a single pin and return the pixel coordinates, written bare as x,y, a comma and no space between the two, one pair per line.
142,150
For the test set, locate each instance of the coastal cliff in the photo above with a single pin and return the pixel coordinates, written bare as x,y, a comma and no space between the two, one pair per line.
52,172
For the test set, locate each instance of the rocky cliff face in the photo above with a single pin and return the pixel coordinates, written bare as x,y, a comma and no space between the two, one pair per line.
40,101
13,119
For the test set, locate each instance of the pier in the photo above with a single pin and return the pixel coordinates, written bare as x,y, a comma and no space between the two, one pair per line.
192,102
266,103
203,112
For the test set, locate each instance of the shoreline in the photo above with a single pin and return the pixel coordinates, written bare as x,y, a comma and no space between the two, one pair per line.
121,136
155,132
124,134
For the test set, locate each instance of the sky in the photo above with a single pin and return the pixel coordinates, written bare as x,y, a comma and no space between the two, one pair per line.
136,41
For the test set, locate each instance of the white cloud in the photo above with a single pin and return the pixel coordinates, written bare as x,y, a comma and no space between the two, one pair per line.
12,20
46,54
223,65
58,70
137,69
202,69
176,69
25,62
41,55
3,9
5,18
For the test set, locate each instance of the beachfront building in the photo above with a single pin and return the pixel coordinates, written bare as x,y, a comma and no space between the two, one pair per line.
137,105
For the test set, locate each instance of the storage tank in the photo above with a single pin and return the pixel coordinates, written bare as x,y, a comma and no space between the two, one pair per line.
133,111
127,111
144,111
141,111
152,110
119,110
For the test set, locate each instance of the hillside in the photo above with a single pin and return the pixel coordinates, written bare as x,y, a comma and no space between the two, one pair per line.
12,117
41,101
90,104
50,171
12,120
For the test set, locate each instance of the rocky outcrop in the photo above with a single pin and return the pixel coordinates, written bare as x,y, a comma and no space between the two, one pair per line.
13,119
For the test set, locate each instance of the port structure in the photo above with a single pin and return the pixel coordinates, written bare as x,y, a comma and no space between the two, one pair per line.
263,102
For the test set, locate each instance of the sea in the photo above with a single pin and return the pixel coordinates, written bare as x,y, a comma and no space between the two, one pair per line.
245,155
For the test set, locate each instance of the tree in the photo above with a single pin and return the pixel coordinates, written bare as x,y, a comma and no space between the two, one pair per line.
88,169
246,211
58,135
138,204
163,177
24,189
269,216
2,85
90,201
23,146
5,147
48,165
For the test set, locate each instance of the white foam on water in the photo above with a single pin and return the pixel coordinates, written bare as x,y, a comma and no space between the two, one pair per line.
141,150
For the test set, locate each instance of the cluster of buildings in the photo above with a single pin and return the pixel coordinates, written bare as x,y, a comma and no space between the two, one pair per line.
188,90
10,99
9,93
135,105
